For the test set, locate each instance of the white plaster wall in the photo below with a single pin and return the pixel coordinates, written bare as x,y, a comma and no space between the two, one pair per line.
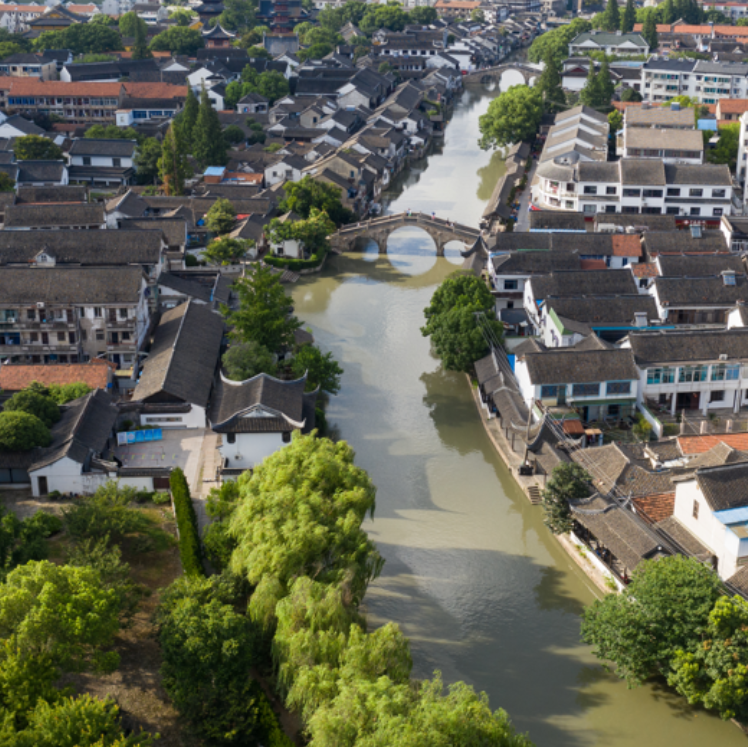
193,419
250,448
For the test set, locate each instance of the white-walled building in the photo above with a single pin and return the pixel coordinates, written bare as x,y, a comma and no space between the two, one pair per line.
256,417
704,80
609,42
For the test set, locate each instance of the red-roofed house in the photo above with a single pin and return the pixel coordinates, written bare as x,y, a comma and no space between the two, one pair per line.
97,373
730,110
690,445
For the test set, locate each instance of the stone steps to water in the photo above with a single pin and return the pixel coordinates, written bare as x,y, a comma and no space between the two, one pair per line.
533,493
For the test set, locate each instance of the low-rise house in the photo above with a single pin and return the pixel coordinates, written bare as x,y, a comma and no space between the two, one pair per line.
37,173
175,385
207,287
700,300
667,145
671,117
612,43
17,126
29,65
133,111
256,418
73,314
691,369
82,216
96,373
252,103
695,241
600,383
102,162
712,504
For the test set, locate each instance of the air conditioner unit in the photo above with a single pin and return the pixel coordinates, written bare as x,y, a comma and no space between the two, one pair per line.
723,356
40,304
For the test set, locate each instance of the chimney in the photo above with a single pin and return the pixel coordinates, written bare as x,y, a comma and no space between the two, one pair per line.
640,318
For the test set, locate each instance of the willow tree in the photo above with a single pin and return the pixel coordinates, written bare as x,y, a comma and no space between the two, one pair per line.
300,514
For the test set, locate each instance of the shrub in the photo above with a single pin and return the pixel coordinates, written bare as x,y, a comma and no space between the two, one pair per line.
190,260
189,541
21,431
161,499
294,264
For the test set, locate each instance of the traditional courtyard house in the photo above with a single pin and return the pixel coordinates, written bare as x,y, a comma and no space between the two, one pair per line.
256,418
55,216
175,385
37,173
210,288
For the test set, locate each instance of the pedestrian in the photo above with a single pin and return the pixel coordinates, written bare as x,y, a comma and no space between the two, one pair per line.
408,212
433,215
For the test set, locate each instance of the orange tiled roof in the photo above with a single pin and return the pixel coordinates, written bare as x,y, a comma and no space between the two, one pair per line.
645,270
13,378
7,8
457,4
34,87
155,90
704,29
733,106
656,507
592,264
626,246
700,444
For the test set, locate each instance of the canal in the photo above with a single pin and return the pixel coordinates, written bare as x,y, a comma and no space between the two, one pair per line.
472,576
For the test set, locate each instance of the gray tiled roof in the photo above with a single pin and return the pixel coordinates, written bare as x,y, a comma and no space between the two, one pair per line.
57,214
709,291
594,310
688,346
174,229
618,530
233,399
561,366
67,193
529,263
85,427
82,247
70,285
724,487
103,147
581,109
688,265
708,174
678,242
584,283
658,116
591,171
675,531
643,171
183,357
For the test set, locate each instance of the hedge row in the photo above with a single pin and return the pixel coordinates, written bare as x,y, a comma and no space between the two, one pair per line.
294,264
190,551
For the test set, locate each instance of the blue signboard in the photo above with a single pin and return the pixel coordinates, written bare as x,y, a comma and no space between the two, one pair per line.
139,437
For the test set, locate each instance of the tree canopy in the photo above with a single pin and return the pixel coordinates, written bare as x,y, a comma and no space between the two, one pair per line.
21,431
264,313
208,145
308,194
178,40
568,482
663,610
173,165
36,148
247,359
513,116
227,251
322,369
556,42
451,321
35,403
81,38
221,217
301,514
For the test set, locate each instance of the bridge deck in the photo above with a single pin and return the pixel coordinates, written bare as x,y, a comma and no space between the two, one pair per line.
404,219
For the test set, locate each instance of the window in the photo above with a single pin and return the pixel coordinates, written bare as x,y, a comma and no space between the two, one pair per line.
628,192
590,190
695,211
589,209
695,511
630,209
611,190
586,390
718,395
60,337
618,387
652,193
31,314
717,212
231,438
34,337
672,211
86,160
548,391
643,282
510,284
725,372
663,375
695,192
116,162
123,313
692,373
99,334
287,437
125,337
719,193
97,311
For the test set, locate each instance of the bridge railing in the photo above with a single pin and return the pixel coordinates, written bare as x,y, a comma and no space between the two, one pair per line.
405,218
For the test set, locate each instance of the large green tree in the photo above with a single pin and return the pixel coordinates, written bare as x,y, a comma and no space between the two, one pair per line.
208,145
451,322
549,84
308,194
178,40
146,160
264,313
713,671
322,369
726,150
663,610
611,17
557,41
227,251
81,38
512,117
21,431
188,116
628,18
247,359
300,515
35,403
568,482
36,148
649,30
221,218
24,540
592,94
173,166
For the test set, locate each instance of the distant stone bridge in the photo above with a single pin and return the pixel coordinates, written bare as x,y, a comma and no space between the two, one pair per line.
378,230
494,74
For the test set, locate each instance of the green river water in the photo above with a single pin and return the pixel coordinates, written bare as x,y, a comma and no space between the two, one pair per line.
472,576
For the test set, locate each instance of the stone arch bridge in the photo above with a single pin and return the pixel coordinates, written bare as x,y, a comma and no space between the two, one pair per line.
378,230
493,74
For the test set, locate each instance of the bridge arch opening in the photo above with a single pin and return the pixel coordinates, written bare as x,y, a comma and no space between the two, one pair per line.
510,78
453,252
411,250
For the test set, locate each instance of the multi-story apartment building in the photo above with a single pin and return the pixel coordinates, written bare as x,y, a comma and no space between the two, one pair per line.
73,314
704,80
633,185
